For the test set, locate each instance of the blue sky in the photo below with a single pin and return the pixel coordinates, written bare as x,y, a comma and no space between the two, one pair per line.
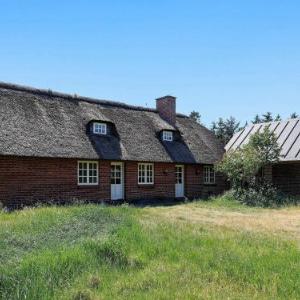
220,58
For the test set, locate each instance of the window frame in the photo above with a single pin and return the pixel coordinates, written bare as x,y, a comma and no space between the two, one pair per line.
88,183
101,124
208,178
168,136
145,181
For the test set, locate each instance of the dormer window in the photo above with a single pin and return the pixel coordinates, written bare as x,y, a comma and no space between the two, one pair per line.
167,136
99,128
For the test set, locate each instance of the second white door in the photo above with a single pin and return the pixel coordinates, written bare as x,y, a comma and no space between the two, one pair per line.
179,185
117,187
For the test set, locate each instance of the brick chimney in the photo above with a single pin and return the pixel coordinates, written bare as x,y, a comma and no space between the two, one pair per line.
166,107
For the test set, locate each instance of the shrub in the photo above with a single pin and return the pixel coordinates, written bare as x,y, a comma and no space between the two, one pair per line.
263,195
242,166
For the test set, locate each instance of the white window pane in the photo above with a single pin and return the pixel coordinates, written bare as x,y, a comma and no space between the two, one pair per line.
145,173
168,136
87,173
100,128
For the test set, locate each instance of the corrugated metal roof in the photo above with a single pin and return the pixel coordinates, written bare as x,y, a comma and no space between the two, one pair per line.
287,132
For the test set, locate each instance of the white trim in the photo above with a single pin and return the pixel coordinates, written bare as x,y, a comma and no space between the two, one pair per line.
183,180
167,136
97,170
103,127
211,180
138,173
122,180
183,171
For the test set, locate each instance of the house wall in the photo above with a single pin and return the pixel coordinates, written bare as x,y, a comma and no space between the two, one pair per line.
286,177
24,181
195,187
163,187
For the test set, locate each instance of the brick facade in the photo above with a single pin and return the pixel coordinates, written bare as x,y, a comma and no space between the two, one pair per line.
29,180
194,183
24,181
163,187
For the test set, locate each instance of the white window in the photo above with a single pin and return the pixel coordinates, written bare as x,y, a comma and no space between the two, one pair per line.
146,174
99,128
87,173
209,175
168,136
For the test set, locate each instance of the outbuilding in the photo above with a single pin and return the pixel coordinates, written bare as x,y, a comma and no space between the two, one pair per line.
285,175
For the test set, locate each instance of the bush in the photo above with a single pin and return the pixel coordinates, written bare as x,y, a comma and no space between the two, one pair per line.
242,167
263,195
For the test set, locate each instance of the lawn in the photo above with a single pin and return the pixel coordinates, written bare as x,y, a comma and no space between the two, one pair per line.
199,250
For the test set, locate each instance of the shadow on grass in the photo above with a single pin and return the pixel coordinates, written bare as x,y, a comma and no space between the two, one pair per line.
157,202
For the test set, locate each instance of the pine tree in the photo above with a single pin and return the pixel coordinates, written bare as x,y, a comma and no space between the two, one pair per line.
225,129
294,116
277,118
267,117
195,115
257,120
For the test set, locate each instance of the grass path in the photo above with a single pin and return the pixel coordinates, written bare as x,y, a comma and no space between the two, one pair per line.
284,222
201,250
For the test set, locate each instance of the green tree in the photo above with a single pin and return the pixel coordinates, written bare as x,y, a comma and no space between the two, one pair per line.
294,116
277,118
225,129
257,120
267,117
195,115
243,164
240,166
266,145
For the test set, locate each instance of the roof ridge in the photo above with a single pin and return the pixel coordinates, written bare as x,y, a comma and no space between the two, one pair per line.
49,92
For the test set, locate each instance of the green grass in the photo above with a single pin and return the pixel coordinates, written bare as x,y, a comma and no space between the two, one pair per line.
98,252
224,202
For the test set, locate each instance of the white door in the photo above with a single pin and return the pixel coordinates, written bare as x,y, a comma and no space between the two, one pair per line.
179,186
117,188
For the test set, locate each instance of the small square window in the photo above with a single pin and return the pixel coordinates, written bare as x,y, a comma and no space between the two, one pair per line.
168,136
99,128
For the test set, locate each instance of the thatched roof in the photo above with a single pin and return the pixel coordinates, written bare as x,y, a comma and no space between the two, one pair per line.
287,133
43,123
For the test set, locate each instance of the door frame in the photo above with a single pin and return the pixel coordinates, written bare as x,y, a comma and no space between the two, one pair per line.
183,180
118,163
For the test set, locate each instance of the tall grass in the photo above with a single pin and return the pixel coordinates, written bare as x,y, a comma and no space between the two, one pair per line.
93,252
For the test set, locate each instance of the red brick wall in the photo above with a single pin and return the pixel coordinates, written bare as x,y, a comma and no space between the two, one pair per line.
29,180
24,181
195,187
164,182
286,177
